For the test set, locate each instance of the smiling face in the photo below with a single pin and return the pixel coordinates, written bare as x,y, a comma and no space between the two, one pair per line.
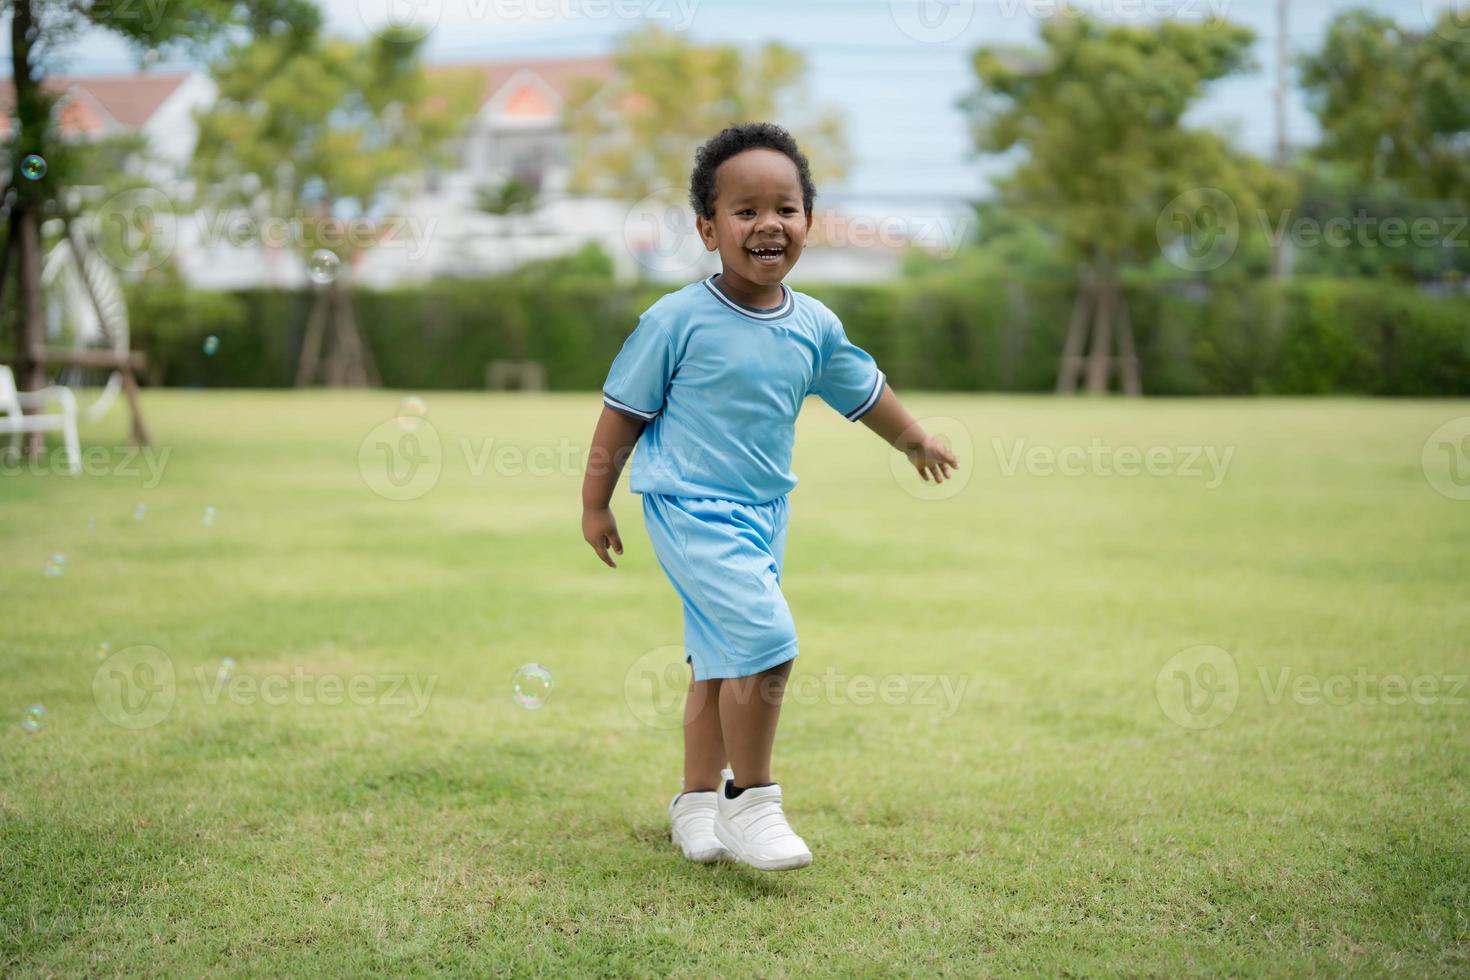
760,222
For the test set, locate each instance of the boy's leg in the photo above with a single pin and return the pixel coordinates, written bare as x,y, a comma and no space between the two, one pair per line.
749,709
704,741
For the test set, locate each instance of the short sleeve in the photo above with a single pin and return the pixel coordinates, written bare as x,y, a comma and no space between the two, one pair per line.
848,379
640,374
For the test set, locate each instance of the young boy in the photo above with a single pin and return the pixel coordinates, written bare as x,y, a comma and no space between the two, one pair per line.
708,386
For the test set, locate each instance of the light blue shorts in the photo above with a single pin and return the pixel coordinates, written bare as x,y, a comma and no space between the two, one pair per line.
724,559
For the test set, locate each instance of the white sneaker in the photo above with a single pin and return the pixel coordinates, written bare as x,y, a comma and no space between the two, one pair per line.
692,823
753,828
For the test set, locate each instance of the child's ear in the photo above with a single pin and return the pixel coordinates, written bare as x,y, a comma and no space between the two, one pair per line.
706,227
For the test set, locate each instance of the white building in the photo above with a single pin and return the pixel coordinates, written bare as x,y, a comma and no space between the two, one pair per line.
440,228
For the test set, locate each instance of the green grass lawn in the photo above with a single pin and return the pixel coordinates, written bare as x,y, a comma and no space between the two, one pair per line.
1019,801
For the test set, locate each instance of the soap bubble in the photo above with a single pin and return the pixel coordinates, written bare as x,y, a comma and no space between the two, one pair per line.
532,685
411,411
34,718
33,167
104,650
208,519
226,669
55,565
323,266
211,344
140,511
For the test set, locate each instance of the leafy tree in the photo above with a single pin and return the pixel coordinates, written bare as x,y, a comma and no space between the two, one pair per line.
636,134
1394,104
1096,114
320,133
37,31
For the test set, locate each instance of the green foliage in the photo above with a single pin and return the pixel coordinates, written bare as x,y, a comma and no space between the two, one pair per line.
299,129
1097,114
986,329
1395,102
636,133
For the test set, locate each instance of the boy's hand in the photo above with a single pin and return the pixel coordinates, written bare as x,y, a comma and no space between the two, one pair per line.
600,529
932,455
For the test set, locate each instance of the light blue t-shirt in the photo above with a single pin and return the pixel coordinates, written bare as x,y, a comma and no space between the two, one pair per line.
720,385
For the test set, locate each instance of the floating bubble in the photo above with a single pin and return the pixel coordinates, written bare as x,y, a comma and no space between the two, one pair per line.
411,411
91,523
532,685
33,167
140,511
104,650
323,266
208,519
211,344
226,669
52,569
34,718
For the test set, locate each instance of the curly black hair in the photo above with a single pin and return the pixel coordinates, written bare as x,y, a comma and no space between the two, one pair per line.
737,139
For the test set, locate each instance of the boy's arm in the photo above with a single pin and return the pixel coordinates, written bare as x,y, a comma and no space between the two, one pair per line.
612,443
897,427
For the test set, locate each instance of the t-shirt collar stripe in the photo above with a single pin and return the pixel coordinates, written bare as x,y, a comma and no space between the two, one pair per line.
743,310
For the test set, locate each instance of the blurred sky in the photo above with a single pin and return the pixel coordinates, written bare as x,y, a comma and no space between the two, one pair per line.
895,67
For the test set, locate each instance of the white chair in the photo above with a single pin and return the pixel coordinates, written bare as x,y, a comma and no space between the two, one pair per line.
13,419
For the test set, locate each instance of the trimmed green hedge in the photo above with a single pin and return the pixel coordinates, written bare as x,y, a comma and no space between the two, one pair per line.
1305,336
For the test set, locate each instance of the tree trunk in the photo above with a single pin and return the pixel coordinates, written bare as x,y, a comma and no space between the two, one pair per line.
1070,368
1100,355
31,114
